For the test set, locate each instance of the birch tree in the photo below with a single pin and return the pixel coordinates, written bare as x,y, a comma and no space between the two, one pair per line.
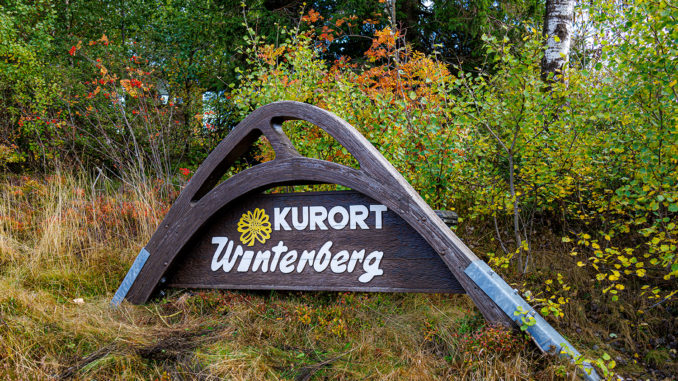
558,20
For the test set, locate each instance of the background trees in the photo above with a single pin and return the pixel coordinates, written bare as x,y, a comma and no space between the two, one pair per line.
195,50
568,186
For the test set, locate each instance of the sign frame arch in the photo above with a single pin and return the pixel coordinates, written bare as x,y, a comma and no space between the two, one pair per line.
376,178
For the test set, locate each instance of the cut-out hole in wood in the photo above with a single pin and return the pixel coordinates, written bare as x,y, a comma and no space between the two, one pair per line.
313,142
260,151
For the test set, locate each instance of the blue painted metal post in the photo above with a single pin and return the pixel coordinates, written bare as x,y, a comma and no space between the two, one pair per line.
508,299
131,276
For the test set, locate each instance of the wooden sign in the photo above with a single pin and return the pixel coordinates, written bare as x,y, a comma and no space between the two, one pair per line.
335,241
216,234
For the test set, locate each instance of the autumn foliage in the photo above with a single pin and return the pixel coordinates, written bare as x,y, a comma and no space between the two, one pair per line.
568,189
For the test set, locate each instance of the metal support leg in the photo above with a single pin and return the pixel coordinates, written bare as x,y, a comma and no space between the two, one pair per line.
508,299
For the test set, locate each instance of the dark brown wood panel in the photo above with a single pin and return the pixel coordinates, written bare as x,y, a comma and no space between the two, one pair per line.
409,264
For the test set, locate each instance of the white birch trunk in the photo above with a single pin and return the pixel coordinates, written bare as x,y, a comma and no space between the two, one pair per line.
558,21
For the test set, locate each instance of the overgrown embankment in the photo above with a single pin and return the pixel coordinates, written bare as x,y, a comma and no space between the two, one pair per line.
66,242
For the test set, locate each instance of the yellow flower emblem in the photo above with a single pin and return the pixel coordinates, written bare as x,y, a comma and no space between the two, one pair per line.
254,226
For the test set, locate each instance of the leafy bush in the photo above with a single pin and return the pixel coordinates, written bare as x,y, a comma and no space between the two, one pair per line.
593,157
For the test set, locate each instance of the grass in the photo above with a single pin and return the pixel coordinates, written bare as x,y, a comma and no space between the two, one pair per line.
65,244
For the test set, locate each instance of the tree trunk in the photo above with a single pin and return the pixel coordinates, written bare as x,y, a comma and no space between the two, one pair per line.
558,31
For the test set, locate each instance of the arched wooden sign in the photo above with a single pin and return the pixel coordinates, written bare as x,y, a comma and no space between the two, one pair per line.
381,236
206,215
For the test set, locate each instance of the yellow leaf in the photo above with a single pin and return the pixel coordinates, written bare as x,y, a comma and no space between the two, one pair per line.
581,264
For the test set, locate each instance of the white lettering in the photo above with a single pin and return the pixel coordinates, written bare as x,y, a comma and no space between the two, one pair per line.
318,215
245,261
287,262
331,217
338,217
221,241
355,257
322,260
261,260
277,250
371,266
337,265
227,261
378,210
279,218
359,214
306,257
304,216
228,253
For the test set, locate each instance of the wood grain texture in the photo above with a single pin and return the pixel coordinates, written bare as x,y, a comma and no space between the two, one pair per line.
409,264
376,178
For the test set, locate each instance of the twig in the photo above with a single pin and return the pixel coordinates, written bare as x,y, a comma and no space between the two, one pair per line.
307,372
